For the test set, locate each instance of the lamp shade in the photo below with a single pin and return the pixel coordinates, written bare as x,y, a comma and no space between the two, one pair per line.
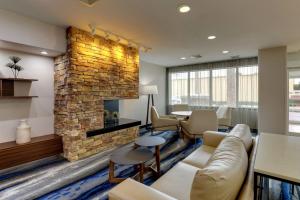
148,89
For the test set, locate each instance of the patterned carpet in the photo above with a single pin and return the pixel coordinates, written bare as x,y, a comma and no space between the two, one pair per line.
57,179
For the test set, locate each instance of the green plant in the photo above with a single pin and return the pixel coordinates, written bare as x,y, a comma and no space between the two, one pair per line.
115,115
13,65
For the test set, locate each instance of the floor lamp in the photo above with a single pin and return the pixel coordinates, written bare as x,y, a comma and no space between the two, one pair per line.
149,90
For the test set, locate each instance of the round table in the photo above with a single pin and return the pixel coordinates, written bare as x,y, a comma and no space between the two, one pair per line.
182,113
152,141
129,156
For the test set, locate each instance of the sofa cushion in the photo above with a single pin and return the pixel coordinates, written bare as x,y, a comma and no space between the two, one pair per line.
242,131
200,156
224,173
177,182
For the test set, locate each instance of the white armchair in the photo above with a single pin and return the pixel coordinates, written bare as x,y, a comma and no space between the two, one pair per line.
199,122
161,123
224,116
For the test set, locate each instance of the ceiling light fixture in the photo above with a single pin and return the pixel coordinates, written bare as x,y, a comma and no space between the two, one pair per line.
184,9
89,3
183,58
44,52
225,52
117,38
211,37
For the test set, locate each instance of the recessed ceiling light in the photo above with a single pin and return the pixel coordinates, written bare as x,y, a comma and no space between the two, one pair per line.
183,58
225,52
211,37
184,8
44,52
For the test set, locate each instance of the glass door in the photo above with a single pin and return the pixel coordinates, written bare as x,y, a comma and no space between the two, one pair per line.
294,101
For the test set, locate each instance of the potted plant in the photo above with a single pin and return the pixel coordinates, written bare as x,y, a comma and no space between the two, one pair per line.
13,65
115,116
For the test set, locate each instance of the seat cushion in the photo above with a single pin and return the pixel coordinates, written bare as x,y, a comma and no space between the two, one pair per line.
223,176
242,131
177,182
200,156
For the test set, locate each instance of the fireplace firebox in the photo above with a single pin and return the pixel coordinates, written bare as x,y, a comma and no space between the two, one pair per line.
111,111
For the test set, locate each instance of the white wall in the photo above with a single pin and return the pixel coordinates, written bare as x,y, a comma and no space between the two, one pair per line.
136,108
28,31
38,111
272,104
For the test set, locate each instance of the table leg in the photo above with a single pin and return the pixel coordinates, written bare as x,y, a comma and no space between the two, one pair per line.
111,171
141,166
135,146
261,185
157,156
111,174
255,186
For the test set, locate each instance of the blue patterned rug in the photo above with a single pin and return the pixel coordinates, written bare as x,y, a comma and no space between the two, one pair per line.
57,179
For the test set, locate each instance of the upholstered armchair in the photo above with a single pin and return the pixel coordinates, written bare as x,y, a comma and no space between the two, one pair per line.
180,107
162,123
224,116
199,122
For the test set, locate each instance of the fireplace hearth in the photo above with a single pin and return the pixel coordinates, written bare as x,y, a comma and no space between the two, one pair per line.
122,123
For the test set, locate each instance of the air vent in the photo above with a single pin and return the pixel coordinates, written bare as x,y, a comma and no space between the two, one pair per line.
235,57
89,3
196,56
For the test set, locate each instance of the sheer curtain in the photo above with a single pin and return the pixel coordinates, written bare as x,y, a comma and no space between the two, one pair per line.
210,85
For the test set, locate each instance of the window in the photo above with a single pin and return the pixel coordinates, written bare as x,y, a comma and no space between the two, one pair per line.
233,86
199,88
179,85
224,87
248,86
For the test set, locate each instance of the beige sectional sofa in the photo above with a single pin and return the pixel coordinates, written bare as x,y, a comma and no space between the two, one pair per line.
221,169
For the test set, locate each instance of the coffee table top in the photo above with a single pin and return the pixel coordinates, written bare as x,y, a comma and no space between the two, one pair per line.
150,141
130,156
182,113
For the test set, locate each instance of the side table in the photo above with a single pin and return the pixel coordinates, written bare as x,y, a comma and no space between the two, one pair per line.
152,141
129,156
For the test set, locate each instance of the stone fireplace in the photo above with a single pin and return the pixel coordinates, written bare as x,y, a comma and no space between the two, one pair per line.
92,70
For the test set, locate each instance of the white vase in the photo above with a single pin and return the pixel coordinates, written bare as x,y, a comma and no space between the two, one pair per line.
23,132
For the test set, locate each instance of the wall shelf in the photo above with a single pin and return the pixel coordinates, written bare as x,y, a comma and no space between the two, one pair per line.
19,79
18,97
8,88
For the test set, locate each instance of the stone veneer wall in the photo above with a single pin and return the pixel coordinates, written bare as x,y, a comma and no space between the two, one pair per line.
93,69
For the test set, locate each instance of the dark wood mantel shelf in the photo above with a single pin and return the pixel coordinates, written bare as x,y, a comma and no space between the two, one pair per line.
12,154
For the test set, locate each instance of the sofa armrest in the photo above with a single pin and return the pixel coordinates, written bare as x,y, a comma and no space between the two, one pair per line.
213,138
133,190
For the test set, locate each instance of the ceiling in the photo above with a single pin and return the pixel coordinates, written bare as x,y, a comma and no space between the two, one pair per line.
242,27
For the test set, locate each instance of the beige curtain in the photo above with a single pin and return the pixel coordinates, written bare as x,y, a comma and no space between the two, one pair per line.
232,83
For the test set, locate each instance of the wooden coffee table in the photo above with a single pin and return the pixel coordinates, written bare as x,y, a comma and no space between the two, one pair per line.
129,156
152,141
